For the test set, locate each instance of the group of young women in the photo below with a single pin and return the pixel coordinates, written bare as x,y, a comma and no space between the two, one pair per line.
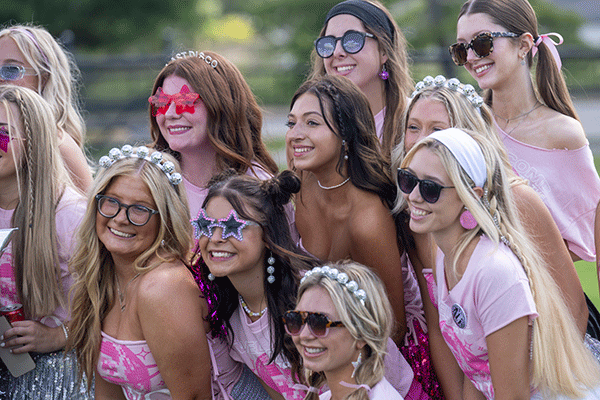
426,237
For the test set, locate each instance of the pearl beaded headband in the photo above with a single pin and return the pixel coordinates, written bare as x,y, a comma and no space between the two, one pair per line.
341,278
156,158
453,84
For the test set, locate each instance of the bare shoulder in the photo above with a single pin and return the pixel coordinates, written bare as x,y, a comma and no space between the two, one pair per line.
562,131
166,282
370,217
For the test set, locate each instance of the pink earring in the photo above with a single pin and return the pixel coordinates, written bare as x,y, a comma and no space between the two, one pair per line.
384,74
467,220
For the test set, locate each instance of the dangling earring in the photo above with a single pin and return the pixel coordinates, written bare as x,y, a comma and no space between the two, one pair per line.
384,74
344,149
356,364
467,220
211,277
522,57
271,268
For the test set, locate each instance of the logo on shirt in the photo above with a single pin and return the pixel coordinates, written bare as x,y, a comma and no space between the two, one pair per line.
459,316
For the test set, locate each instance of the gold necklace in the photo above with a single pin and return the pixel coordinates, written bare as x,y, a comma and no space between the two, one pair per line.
121,295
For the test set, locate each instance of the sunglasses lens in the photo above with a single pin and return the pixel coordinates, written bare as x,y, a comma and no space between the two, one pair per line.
482,45
317,324
325,46
430,191
353,42
10,72
406,181
293,322
458,52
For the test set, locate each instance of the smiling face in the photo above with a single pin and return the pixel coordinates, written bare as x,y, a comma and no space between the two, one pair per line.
334,353
441,217
426,116
10,54
362,67
309,140
185,132
502,63
239,260
122,239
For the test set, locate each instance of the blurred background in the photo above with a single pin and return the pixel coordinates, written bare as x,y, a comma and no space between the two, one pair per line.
120,46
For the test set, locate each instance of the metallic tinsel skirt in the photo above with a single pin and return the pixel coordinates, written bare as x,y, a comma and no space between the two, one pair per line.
54,378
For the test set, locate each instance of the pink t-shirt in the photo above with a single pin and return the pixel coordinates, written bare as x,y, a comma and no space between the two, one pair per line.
383,390
69,214
567,182
493,292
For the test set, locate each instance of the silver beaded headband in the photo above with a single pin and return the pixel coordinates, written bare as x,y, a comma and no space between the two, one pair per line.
341,278
156,158
191,53
454,84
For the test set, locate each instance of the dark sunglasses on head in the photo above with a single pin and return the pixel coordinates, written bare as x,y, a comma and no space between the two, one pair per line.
482,45
430,190
318,323
352,43
11,72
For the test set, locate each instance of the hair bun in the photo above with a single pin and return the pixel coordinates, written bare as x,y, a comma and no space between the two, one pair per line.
281,187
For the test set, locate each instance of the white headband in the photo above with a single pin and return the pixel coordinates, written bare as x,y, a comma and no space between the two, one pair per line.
466,151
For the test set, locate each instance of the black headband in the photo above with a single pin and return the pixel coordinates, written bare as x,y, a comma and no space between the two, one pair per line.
368,13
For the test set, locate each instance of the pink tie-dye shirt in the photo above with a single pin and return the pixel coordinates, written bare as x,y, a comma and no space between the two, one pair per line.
493,292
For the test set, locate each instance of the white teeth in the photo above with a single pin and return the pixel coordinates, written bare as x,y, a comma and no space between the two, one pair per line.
302,149
221,254
179,129
121,234
418,213
344,69
313,350
482,68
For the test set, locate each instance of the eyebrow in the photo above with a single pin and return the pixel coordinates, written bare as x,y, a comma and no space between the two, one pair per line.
307,114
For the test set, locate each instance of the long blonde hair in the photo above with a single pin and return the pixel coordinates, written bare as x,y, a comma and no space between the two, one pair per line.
561,362
41,178
371,322
58,75
94,288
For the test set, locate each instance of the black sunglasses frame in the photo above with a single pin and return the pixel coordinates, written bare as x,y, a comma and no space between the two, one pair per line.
430,191
343,38
100,197
306,318
483,39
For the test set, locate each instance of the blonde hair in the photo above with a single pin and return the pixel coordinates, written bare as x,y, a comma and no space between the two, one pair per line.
399,84
461,114
58,75
41,178
371,322
567,368
93,290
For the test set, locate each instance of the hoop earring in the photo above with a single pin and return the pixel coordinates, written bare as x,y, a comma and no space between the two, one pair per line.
271,268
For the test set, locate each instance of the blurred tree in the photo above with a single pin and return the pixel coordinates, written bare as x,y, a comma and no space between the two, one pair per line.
109,24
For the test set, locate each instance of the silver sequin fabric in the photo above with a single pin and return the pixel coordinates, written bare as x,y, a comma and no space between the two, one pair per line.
54,378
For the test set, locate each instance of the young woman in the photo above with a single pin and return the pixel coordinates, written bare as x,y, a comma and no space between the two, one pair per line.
349,320
500,311
138,320
343,207
438,104
497,42
37,197
31,57
250,271
203,112
371,53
